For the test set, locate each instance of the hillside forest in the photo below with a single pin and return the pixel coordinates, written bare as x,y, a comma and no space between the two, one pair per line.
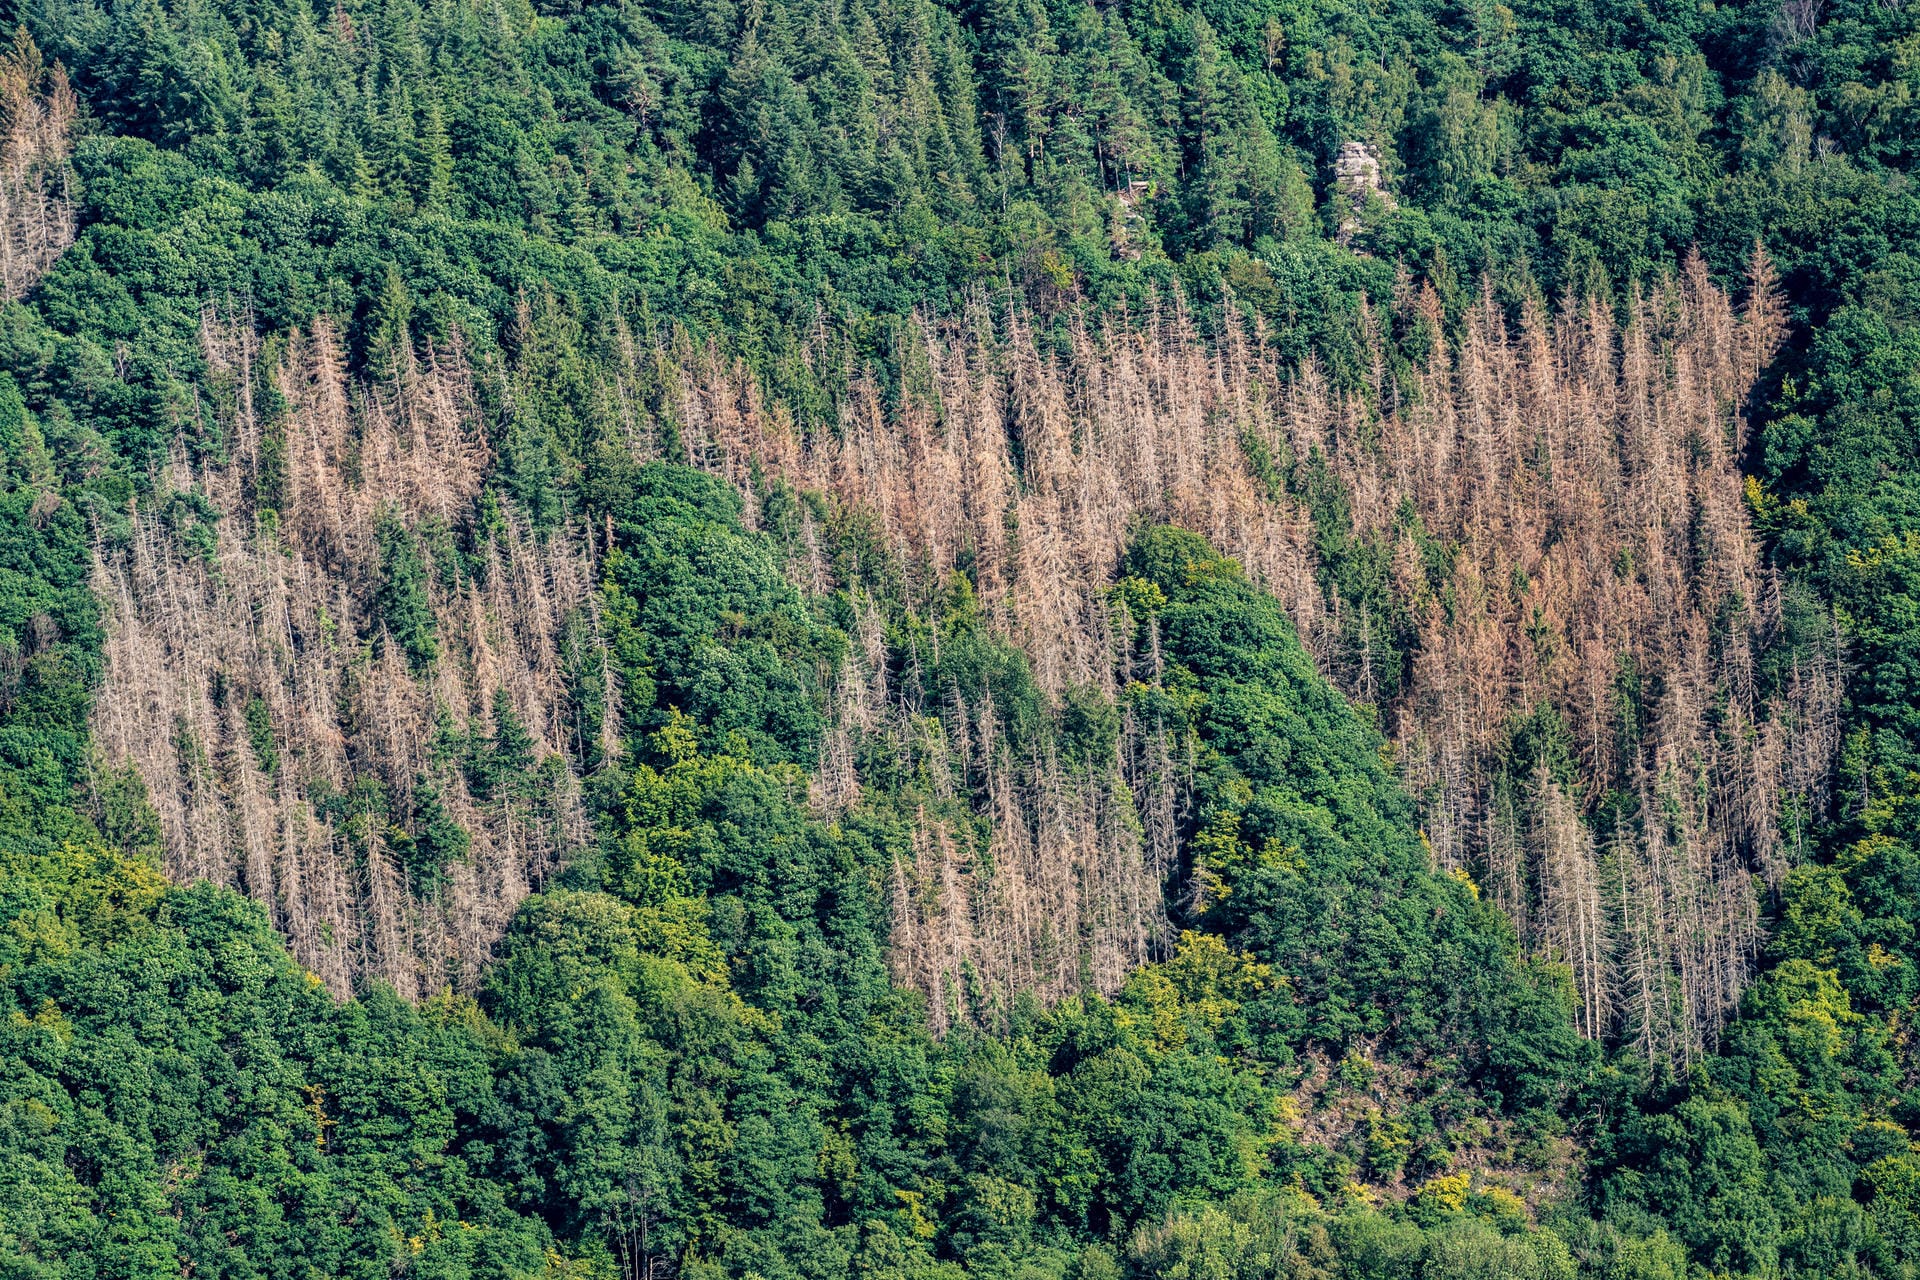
960,639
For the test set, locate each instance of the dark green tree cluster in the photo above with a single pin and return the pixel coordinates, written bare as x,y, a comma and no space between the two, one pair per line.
1306,850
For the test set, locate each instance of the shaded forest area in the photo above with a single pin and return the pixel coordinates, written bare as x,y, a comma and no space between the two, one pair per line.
1024,639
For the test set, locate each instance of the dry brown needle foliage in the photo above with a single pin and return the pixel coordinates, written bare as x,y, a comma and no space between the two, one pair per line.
37,110
1556,500
1560,503
249,679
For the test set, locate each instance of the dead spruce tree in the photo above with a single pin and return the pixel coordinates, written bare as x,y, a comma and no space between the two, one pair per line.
1559,502
293,745
37,111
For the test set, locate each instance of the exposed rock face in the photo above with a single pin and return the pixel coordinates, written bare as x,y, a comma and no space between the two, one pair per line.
1356,173
1127,218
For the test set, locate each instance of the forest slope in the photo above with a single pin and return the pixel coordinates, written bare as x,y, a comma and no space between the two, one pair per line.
654,516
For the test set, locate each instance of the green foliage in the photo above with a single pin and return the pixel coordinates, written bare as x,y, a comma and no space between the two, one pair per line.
180,1095
259,721
1285,1233
400,600
569,172
49,629
701,620
1307,855
435,841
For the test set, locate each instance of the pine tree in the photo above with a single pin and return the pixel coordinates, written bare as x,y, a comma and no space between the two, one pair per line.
400,601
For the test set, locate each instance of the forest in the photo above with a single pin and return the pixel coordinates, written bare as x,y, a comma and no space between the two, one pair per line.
947,639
